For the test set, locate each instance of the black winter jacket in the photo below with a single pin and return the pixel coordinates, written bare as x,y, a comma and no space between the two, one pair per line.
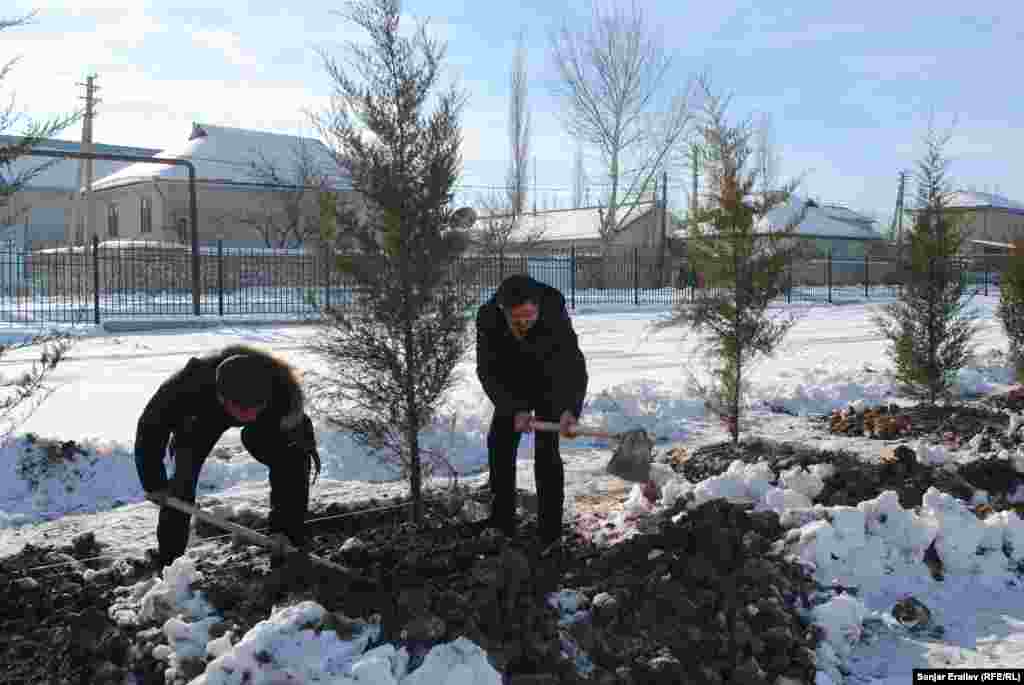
190,397
548,360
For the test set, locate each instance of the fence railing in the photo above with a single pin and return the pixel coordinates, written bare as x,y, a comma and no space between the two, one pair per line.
135,280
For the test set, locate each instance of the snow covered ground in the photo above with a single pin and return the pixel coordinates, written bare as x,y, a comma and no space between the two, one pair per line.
637,378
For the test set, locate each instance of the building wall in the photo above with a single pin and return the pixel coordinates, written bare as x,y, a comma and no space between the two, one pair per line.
221,212
996,225
36,216
644,232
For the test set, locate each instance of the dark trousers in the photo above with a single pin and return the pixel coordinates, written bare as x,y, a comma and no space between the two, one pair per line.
549,472
289,482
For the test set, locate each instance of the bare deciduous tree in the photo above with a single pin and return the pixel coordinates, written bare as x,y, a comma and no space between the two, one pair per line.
579,179
766,155
614,78
518,132
288,214
499,230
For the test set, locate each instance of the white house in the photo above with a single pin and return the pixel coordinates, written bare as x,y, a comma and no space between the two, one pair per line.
248,183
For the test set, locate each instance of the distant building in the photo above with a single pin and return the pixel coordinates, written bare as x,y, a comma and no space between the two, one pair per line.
40,214
828,228
249,185
989,221
562,229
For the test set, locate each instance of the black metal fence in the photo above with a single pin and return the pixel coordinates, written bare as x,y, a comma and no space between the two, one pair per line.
125,280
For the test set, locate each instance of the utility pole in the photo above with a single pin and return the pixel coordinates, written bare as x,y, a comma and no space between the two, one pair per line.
897,220
85,166
535,185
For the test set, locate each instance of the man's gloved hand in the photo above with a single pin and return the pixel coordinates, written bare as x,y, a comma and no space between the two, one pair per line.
522,422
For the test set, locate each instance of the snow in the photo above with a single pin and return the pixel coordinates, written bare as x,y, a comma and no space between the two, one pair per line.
831,358
227,154
974,198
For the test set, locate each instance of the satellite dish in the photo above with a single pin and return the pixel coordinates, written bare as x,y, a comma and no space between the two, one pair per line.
463,218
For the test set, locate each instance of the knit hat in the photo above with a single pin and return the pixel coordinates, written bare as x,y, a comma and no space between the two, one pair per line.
245,380
516,290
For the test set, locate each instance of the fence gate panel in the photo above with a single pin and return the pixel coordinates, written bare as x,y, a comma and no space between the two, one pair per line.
555,271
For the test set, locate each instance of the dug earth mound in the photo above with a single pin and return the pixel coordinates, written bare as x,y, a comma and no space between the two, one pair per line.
697,593
698,597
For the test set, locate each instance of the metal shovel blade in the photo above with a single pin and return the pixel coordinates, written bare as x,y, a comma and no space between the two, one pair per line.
631,460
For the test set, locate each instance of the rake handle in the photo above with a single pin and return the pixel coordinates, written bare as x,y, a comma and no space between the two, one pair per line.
589,432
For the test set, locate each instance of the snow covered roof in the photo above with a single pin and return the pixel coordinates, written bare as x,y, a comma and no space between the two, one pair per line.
824,221
226,155
821,221
562,224
973,198
62,174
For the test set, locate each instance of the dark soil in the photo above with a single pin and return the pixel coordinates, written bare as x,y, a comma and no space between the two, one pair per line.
669,606
701,600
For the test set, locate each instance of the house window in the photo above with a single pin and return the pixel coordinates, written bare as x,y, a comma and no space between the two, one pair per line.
183,230
112,221
146,216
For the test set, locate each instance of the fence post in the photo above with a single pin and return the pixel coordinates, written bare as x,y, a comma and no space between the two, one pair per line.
220,277
829,266
96,278
636,276
865,274
572,275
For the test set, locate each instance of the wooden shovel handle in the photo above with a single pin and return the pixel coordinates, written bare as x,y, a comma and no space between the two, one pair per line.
251,535
222,523
590,432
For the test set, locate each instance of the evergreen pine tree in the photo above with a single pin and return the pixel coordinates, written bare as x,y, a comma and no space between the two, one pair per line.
392,352
1011,309
929,327
744,266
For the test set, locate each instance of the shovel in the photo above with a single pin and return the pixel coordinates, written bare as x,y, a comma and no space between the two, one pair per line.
631,460
258,538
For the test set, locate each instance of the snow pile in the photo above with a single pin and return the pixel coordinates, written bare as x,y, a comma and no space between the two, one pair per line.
296,644
292,645
841,620
879,547
44,479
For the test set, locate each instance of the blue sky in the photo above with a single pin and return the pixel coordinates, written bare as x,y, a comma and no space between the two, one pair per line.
849,85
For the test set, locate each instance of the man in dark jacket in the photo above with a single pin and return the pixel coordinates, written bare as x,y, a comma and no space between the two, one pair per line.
237,386
530,364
